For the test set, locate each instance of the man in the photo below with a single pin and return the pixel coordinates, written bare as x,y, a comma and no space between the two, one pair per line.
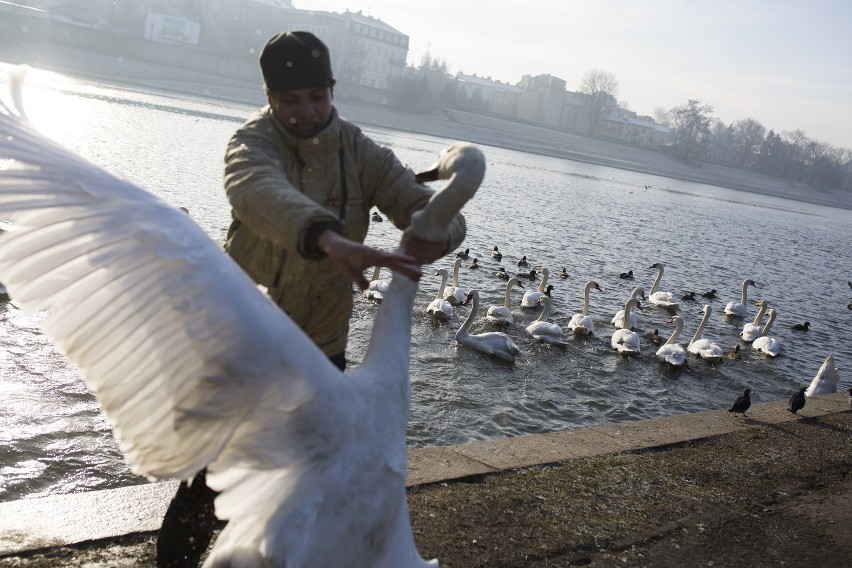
301,182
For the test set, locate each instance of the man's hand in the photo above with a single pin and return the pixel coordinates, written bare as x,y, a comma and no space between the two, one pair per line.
353,258
424,252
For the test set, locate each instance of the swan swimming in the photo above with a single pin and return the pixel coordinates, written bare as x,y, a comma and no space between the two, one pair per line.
582,324
618,319
439,308
544,330
826,379
657,297
705,348
503,314
492,342
671,352
764,343
196,368
751,330
624,340
530,299
740,309
454,294
378,287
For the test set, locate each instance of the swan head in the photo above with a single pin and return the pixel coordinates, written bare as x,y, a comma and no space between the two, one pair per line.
470,296
657,265
633,304
594,286
749,282
638,293
760,303
441,272
514,282
706,309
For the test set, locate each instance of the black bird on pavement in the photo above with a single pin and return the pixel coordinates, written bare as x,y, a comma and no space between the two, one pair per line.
797,401
742,403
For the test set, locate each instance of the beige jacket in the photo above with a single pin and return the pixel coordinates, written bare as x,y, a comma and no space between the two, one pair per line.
280,185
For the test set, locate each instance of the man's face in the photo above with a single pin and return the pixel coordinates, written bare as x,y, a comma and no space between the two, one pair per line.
304,112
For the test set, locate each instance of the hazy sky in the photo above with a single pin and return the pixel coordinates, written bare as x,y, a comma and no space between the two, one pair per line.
785,63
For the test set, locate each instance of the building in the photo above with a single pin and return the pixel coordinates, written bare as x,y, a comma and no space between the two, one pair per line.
487,94
373,53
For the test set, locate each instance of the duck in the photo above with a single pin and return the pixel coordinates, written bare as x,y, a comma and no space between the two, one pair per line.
523,261
463,253
801,326
474,264
689,296
751,330
623,340
657,297
671,352
378,286
618,319
826,379
501,273
496,254
626,275
734,353
709,294
439,308
704,348
563,273
494,343
377,218
655,337
454,294
503,314
225,380
582,323
531,275
739,309
764,343
530,299
543,330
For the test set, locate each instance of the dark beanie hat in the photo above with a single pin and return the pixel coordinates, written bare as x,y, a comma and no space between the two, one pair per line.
295,60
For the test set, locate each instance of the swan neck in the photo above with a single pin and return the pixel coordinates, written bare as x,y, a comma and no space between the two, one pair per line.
760,313
627,309
768,325
470,317
676,334
586,299
745,293
507,297
545,311
700,329
656,281
543,286
376,272
390,345
456,265
443,285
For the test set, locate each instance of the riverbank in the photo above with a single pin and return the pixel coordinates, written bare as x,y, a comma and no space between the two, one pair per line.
704,489
442,122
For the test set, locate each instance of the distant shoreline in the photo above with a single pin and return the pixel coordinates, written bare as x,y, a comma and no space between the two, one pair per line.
441,122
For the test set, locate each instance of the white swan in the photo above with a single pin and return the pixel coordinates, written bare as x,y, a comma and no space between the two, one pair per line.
618,319
624,340
739,309
454,294
378,287
705,348
582,324
439,308
544,330
195,368
530,299
751,330
764,343
671,352
492,342
503,314
659,298
826,379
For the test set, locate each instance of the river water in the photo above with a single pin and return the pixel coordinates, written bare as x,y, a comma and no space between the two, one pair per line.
596,222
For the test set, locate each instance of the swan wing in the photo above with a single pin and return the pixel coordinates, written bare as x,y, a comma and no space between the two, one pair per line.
825,381
173,338
736,309
499,314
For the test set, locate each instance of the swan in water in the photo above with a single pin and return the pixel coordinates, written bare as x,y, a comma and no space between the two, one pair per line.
544,330
705,348
764,343
196,368
503,314
657,297
618,319
671,352
530,299
439,308
582,324
739,309
496,254
624,340
826,379
378,287
491,343
751,330
454,294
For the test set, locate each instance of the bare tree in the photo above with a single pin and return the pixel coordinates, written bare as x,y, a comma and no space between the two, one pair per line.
796,141
748,136
663,116
602,88
692,124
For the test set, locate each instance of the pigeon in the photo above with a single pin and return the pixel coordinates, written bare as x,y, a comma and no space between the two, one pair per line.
802,326
742,403
797,401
